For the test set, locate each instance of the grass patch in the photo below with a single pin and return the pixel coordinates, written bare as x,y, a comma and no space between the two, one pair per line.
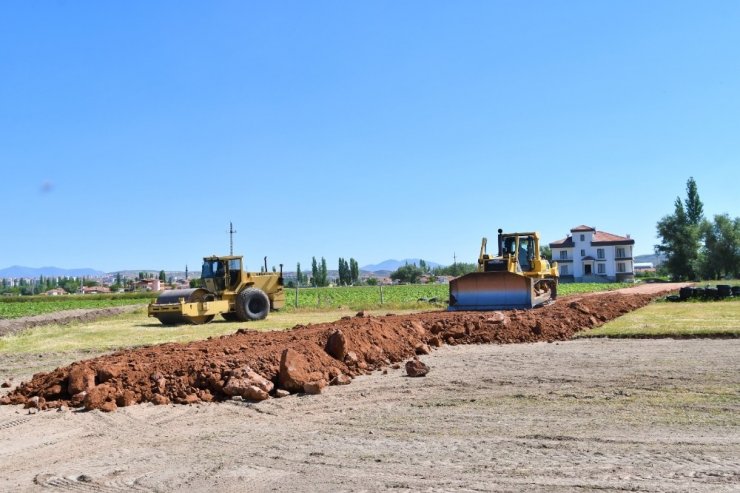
709,319
137,329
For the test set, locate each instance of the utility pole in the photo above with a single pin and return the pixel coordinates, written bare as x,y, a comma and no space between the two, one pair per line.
231,238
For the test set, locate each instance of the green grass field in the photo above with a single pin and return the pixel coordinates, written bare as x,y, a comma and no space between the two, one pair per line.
137,329
689,319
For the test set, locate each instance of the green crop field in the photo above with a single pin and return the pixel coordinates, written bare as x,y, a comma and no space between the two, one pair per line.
15,310
401,296
410,296
26,306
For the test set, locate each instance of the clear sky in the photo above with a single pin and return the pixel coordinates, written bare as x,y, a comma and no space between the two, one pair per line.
131,133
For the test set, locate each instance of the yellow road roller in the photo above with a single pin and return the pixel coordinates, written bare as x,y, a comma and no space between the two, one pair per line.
226,290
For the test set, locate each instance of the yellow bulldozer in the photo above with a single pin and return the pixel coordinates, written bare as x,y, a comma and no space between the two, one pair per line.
517,277
226,289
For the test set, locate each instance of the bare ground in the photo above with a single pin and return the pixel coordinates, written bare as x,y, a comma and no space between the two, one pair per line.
607,415
590,415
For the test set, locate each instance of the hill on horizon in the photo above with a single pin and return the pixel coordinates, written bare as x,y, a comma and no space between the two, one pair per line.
392,264
48,271
656,259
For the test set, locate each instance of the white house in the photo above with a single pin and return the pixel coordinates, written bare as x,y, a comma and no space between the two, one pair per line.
588,255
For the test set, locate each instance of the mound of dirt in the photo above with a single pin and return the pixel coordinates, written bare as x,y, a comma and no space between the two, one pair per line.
302,359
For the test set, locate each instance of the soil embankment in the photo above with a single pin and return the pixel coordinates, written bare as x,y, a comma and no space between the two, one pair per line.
302,359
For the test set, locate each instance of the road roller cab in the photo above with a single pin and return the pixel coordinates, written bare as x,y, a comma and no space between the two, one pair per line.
226,289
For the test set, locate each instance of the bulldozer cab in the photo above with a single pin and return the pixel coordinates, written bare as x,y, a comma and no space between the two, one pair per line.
220,274
520,250
525,255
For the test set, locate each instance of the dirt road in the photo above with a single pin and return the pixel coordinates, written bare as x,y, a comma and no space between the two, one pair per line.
613,415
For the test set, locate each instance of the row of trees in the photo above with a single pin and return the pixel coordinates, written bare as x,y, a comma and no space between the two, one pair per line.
71,285
696,248
349,273
411,273
43,284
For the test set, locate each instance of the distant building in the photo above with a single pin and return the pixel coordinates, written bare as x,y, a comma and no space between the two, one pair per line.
588,255
94,290
149,284
55,292
644,267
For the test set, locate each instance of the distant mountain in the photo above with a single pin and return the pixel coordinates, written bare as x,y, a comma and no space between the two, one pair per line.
36,272
654,258
392,265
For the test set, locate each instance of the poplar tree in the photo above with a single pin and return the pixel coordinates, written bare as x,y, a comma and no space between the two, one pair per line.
680,235
323,273
315,278
354,271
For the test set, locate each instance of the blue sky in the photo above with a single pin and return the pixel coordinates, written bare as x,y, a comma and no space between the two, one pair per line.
131,133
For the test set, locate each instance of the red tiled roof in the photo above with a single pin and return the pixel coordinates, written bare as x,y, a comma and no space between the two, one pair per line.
564,243
599,238
583,227
602,237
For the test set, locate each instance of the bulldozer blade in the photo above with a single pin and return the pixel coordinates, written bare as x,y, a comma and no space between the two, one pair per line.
494,291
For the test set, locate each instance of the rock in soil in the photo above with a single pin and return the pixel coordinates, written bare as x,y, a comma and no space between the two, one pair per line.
416,368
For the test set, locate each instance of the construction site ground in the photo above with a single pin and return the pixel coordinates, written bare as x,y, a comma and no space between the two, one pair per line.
612,415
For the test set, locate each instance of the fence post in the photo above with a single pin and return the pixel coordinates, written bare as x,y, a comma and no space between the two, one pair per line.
296,295
381,294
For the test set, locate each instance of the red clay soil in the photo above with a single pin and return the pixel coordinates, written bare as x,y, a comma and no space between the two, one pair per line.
201,370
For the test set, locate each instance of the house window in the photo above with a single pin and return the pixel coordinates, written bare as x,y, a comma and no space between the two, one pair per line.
583,253
601,269
620,252
583,237
599,253
563,255
564,270
620,267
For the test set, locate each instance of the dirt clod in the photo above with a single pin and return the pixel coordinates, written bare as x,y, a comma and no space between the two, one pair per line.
314,387
81,378
416,368
336,345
